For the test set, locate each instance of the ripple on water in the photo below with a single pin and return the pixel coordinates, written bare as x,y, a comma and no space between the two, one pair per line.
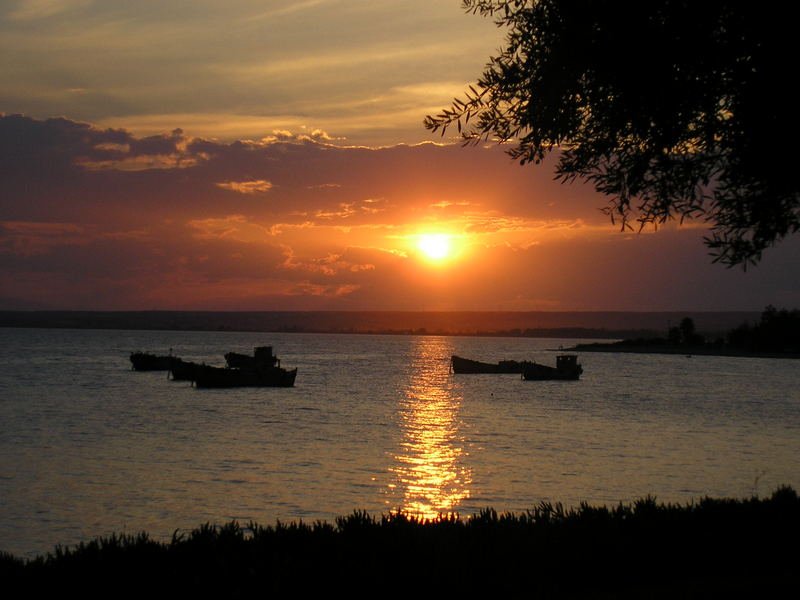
375,423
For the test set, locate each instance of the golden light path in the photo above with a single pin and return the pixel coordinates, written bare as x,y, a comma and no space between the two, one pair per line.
429,470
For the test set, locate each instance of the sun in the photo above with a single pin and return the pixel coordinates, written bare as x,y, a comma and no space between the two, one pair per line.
435,246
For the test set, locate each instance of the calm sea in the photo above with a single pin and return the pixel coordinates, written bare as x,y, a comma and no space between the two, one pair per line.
89,447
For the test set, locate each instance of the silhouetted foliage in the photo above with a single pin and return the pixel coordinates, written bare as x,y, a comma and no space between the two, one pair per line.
690,337
672,108
684,334
713,548
776,334
777,331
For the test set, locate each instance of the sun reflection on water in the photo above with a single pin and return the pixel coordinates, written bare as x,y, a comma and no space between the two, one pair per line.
429,475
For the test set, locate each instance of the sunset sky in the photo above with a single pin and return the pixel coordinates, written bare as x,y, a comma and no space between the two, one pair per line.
258,155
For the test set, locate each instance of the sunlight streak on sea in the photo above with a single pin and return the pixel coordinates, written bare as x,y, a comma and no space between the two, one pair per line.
89,447
431,469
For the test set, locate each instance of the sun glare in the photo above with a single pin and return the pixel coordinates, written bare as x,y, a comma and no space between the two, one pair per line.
434,245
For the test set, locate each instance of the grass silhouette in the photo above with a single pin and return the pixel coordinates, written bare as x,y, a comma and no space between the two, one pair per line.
711,548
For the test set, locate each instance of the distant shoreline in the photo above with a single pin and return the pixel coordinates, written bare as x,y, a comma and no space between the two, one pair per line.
535,333
687,351
607,325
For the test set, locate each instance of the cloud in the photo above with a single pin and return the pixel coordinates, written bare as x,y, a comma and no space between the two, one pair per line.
401,183
246,187
242,68
295,7
60,144
302,222
28,10
29,239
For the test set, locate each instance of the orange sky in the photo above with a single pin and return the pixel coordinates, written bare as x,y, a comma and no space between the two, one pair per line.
301,176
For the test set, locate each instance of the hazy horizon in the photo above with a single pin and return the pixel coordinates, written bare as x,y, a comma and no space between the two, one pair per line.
435,322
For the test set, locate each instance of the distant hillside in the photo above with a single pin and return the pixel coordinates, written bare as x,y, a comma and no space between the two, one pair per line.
539,324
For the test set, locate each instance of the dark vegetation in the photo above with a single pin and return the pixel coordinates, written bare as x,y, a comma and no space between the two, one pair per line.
713,548
671,108
777,333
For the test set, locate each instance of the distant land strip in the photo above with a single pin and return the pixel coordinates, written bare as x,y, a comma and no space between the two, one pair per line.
687,351
775,335
588,325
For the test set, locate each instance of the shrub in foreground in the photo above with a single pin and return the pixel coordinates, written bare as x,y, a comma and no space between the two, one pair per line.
710,548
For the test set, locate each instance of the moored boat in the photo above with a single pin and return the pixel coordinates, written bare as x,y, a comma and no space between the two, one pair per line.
262,357
567,368
183,370
144,361
465,365
262,369
235,360
217,377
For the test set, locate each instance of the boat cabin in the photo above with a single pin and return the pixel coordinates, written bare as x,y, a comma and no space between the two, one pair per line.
567,361
265,358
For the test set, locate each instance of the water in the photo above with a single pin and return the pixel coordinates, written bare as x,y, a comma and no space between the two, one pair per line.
89,447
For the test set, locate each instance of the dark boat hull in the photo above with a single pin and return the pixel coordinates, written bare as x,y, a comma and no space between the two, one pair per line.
465,366
234,360
566,369
183,370
216,377
545,373
142,361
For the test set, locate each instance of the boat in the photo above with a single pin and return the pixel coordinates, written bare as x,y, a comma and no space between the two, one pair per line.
144,361
219,377
263,369
262,357
235,360
182,370
461,365
567,368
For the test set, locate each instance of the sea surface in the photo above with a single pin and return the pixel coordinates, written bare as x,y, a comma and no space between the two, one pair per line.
89,447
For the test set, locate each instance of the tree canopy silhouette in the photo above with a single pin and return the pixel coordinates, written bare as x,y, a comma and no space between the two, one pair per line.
673,108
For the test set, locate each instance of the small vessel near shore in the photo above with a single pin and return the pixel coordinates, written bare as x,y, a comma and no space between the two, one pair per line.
183,370
567,368
263,369
220,377
235,360
461,365
144,361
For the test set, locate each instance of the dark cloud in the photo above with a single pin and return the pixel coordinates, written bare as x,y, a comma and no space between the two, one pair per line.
101,170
